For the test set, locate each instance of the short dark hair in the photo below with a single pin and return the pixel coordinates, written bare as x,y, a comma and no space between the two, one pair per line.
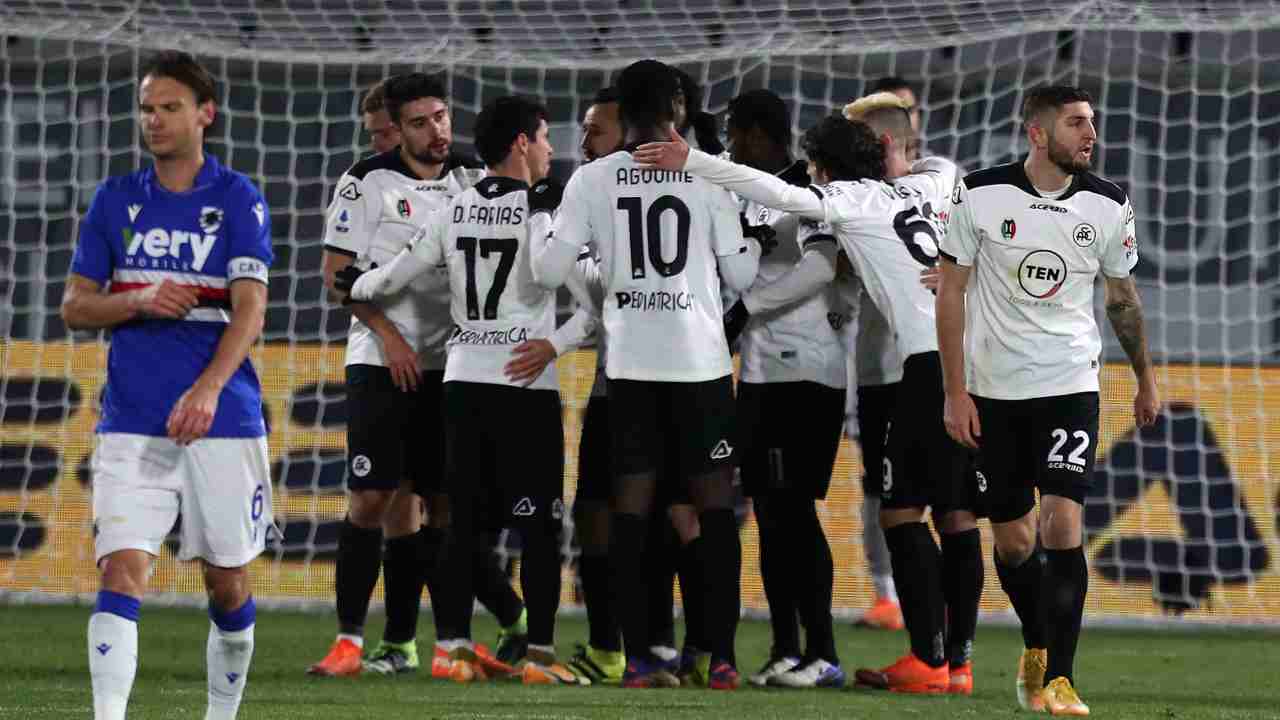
844,149
607,95
401,90
889,83
762,109
376,98
1051,97
646,93
501,122
182,67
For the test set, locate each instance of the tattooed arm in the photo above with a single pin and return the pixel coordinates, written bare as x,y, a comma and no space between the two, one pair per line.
1124,309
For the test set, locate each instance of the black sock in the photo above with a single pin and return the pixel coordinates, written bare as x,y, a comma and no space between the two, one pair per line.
626,556
962,587
1066,582
1023,584
430,543
540,578
493,587
777,566
722,573
661,556
602,621
356,573
917,572
403,580
815,584
693,595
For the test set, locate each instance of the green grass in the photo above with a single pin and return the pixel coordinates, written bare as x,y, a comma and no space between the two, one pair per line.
1122,674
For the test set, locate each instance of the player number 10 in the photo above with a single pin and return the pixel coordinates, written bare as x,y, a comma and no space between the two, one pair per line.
645,229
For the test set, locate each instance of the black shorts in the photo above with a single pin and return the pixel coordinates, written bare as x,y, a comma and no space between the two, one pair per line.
504,453
1047,443
394,436
875,407
788,436
923,466
595,471
684,428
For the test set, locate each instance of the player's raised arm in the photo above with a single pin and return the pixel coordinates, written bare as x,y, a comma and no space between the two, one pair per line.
555,255
747,182
424,252
815,270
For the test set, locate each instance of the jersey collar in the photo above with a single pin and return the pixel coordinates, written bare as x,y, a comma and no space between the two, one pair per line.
496,186
1024,183
205,176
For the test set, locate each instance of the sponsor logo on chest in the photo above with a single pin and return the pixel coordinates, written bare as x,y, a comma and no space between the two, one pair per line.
159,248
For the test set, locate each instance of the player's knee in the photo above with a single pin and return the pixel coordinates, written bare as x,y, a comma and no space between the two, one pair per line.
591,524
367,507
684,518
956,521
1061,523
1015,540
228,588
403,515
125,572
437,511
893,517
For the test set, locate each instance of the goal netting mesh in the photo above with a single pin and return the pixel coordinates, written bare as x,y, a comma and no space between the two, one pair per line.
1183,516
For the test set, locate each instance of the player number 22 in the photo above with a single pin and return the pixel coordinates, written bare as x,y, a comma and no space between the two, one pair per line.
1076,457
506,248
645,229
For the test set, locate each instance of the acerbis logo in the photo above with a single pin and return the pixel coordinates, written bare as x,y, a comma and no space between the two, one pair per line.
350,191
1084,235
722,450
1042,273
982,480
1047,206
524,508
361,465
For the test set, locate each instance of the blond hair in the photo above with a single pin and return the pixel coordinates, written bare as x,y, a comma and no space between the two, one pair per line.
862,107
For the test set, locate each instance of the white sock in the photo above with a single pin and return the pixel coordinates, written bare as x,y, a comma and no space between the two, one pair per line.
357,639
877,550
228,654
113,661
664,653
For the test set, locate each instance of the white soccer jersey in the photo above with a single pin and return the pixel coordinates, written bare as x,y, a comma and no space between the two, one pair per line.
890,232
794,342
1030,329
657,234
484,241
875,358
377,207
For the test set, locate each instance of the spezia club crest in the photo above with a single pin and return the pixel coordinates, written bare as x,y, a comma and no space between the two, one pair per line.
1084,235
210,219
1008,229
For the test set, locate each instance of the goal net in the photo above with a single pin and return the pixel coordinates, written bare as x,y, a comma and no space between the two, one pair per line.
1183,516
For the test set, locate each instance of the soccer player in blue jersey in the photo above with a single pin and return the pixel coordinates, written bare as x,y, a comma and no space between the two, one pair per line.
173,260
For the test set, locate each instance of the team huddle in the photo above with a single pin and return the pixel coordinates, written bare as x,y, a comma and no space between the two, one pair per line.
945,320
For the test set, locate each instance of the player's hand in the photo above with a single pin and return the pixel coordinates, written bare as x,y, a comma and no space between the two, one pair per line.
167,300
402,361
545,195
192,415
528,360
1146,404
344,281
735,320
663,155
764,234
960,416
929,278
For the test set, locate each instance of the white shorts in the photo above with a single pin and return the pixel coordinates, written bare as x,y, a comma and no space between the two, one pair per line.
221,487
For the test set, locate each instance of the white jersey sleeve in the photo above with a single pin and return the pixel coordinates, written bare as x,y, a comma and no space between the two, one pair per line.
425,251
1119,249
812,274
960,243
350,223
752,184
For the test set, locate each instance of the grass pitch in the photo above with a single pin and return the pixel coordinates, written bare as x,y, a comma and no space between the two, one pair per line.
1147,674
